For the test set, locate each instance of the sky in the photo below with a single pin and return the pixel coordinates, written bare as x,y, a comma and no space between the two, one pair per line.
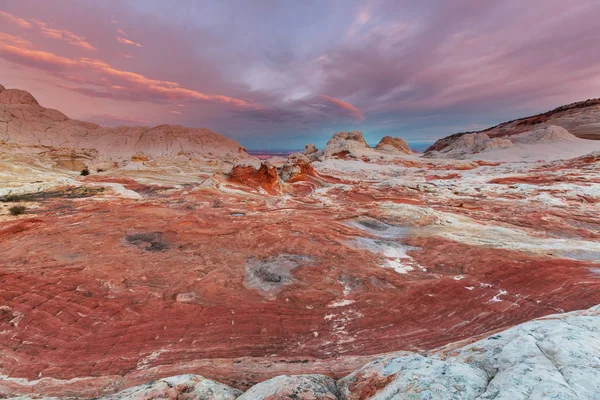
281,74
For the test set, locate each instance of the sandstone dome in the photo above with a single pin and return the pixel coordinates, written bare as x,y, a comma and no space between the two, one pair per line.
393,145
345,143
550,134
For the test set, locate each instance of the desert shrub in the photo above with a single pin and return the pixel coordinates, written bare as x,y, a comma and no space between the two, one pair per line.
85,171
17,210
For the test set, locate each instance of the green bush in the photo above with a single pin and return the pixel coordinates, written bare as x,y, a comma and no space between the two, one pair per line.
85,171
17,210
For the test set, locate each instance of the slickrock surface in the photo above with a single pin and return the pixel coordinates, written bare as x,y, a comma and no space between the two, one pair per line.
551,358
184,265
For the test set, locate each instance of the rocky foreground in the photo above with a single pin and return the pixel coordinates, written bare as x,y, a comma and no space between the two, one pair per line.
555,357
309,270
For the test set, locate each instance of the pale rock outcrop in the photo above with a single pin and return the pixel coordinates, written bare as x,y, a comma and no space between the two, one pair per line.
183,387
344,144
551,357
393,145
549,134
297,387
297,167
472,143
24,122
310,149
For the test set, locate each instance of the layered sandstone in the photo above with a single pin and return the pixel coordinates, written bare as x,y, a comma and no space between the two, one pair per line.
393,145
344,144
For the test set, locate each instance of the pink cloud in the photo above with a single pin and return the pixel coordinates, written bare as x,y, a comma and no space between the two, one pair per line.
15,20
127,41
66,35
346,107
175,112
107,80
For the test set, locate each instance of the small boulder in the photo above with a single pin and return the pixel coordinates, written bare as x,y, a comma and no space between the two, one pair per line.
297,387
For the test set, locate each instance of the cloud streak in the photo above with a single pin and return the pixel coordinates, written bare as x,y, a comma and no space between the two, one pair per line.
14,20
107,81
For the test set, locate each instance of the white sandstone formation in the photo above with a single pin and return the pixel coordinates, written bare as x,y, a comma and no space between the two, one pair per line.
298,387
346,144
24,122
394,145
555,357
183,387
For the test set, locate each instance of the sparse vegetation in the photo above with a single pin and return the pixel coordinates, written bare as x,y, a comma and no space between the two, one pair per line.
69,193
17,210
85,171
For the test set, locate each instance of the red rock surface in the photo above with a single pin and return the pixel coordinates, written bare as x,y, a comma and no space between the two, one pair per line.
265,177
159,286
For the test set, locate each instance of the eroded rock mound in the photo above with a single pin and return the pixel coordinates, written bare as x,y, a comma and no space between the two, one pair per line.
550,134
474,143
393,145
183,387
297,387
265,177
298,167
345,144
